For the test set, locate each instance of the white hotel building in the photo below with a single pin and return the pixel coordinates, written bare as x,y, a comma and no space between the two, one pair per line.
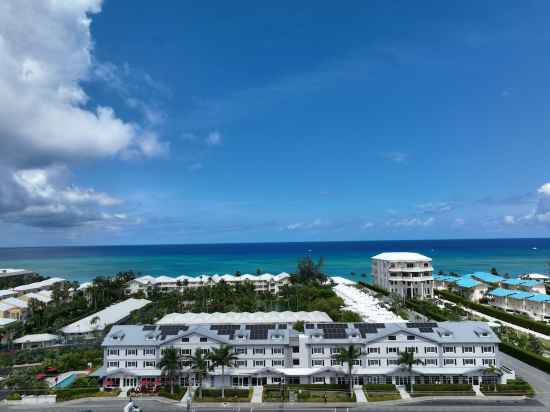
406,274
269,353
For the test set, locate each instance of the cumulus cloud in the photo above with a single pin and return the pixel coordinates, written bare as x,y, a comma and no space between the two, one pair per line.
47,120
396,157
540,214
305,225
214,139
367,225
435,207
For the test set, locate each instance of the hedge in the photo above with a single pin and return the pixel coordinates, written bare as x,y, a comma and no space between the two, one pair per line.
68,394
375,288
177,395
509,389
229,393
425,310
312,386
530,358
380,387
424,387
497,313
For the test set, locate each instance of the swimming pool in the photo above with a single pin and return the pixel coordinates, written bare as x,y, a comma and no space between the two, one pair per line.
66,381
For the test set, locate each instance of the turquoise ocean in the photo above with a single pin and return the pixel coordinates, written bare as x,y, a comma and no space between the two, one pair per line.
514,256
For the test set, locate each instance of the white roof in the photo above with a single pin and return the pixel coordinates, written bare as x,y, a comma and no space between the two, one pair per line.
38,285
15,302
7,292
107,316
342,281
165,279
5,306
535,276
38,337
6,321
243,317
85,285
44,296
402,257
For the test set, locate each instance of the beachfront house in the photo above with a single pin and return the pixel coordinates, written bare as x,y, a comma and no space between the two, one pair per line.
272,353
443,282
499,297
470,289
406,274
538,307
13,308
527,285
38,286
487,278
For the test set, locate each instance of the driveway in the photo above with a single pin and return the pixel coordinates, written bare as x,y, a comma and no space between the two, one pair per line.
538,379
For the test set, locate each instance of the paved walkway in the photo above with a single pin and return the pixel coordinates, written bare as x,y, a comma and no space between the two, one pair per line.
490,318
257,394
477,390
359,395
404,394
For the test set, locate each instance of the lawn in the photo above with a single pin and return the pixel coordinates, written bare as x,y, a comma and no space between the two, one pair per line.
442,390
231,395
381,392
515,387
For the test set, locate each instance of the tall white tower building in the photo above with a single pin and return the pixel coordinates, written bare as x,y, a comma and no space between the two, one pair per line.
406,274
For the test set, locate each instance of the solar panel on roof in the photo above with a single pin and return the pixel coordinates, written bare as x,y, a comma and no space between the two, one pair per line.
282,326
310,326
426,330
149,327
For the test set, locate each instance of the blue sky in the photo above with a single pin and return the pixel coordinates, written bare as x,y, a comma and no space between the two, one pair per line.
231,122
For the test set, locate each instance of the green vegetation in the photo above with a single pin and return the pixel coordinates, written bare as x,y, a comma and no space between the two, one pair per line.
198,364
497,313
523,341
223,357
442,390
10,282
348,355
14,396
276,393
381,392
434,312
526,356
512,387
375,288
230,394
175,393
24,381
325,396
169,365
408,359
63,359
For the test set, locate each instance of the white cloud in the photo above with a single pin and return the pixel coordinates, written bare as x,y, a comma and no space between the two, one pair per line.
509,220
396,157
459,222
305,225
411,222
214,139
367,225
541,213
435,207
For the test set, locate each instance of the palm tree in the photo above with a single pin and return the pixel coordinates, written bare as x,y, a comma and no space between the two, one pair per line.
169,365
198,364
348,355
408,359
222,357
492,370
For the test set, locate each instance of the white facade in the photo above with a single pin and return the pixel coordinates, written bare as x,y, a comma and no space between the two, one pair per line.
262,283
408,275
451,352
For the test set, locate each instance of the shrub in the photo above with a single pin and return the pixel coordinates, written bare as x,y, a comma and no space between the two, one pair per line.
380,387
14,396
530,358
177,395
375,288
442,388
76,393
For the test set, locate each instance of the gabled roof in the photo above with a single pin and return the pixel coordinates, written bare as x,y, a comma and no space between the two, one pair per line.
488,277
520,295
539,297
467,283
15,302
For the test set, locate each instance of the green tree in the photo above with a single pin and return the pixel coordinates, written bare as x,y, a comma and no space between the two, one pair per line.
222,357
534,345
347,355
198,364
169,365
298,326
407,359
494,271
308,270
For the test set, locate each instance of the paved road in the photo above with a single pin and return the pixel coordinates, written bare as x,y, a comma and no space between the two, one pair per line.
429,406
538,379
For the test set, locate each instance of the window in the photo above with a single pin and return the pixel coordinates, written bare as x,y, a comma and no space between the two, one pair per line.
317,362
316,350
277,351
113,352
373,350
466,362
488,362
204,339
203,351
431,362
318,379
392,350
467,349
334,362
185,340
295,349
334,351
411,349
449,349
259,362
258,351
410,337
131,364
131,352
112,364
410,265
356,362
392,337
240,363
149,364
449,362
430,349
240,351
276,379
278,362
185,352
149,351
393,362
485,349
374,362
295,362
426,265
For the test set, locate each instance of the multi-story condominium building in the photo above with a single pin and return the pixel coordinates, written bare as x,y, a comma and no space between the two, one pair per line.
262,283
534,305
270,353
406,274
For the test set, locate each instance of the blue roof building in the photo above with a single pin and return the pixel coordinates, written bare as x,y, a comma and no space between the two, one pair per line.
539,297
520,295
501,293
488,277
467,283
